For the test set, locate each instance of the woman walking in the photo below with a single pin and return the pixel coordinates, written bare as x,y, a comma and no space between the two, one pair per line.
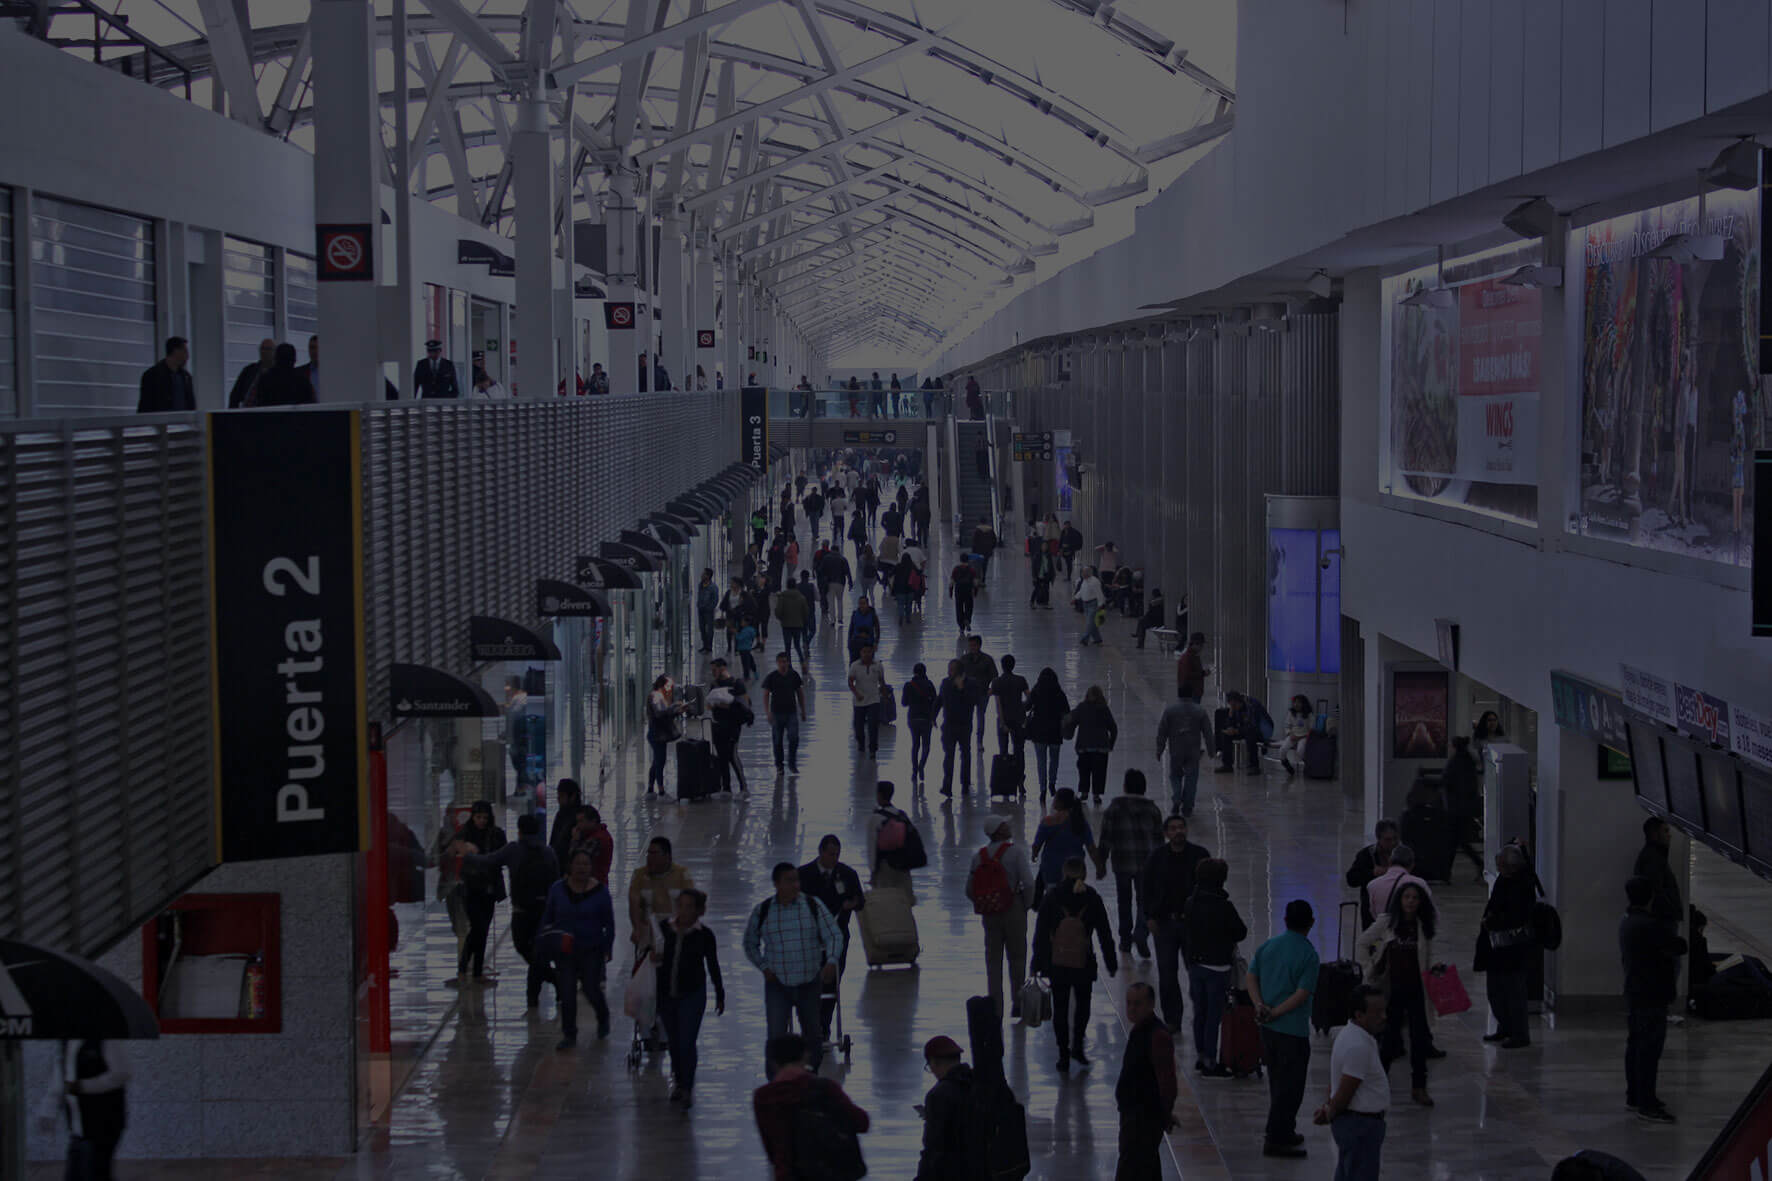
1096,732
687,961
1214,928
1395,950
578,925
1069,915
481,889
1047,707
662,728
1062,835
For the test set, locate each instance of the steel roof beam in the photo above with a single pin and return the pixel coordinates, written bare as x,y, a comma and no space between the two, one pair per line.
233,60
644,44
468,26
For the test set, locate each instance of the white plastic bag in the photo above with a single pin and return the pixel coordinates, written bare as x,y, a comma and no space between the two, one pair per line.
641,1000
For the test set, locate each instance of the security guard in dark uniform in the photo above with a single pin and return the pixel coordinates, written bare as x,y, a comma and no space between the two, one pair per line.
435,375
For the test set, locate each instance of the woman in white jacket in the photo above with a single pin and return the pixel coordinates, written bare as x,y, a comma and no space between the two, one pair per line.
1394,951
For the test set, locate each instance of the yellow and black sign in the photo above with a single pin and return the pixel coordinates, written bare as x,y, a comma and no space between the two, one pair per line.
1030,446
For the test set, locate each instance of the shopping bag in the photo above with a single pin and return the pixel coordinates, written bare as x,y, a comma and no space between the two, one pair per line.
641,999
1445,990
1035,1002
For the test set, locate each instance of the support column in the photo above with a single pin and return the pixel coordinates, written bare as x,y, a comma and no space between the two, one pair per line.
731,330
678,344
532,170
348,168
621,226
703,317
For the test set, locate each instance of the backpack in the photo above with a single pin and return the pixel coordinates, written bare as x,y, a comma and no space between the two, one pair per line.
991,893
532,879
910,853
1070,942
892,833
746,638
1547,926
825,1144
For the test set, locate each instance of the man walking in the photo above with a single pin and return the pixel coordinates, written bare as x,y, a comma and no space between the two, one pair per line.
1000,887
1011,693
166,385
948,1130
1088,596
707,604
434,377
1145,1092
1360,1091
838,887
1131,830
954,703
1182,730
1191,670
795,943
867,687
245,390
794,1085
981,672
1281,979
1651,953
1168,884
730,709
791,608
785,691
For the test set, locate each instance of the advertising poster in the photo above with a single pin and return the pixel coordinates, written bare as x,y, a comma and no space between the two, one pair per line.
1061,471
1421,712
1700,715
1464,386
1670,409
1292,600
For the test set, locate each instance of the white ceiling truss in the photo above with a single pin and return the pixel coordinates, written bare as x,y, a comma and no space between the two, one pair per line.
876,208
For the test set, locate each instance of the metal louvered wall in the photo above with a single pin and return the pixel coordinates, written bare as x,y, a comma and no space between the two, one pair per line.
1186,428
8,350
465,505
105,785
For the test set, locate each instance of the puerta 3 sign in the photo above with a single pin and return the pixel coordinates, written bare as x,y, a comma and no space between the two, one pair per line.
286,622
753,417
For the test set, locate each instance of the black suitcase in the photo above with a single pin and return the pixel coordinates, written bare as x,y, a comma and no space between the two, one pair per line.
695,769
1319,756
1332,1001
1008,774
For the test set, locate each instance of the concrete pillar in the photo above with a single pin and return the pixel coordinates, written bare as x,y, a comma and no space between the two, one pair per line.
703,301
348,167
673,296
532,170
621,224
731,347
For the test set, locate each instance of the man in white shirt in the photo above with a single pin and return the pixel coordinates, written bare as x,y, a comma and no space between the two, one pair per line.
1381,888
1089,596
1005,931
1361,1091
867,683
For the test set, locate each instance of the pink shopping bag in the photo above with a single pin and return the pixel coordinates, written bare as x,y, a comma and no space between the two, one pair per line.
1445,990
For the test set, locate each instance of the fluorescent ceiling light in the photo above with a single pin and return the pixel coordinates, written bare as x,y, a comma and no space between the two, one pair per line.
1535,276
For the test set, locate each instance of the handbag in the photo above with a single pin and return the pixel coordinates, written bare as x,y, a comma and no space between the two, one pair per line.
1035,1001
1445,990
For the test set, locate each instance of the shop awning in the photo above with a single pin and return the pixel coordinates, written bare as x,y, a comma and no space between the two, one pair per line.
670,528
694,506
646,543
605,575
562,600
49,996
419,691
491,638
626,555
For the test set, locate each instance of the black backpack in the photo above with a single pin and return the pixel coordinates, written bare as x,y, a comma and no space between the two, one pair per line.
826,1147
532,879
910,855
1547,926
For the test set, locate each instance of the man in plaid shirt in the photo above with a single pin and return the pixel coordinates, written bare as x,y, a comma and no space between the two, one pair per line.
1131,830
795,943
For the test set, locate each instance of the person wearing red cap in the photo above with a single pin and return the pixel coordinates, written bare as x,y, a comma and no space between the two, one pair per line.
947,1110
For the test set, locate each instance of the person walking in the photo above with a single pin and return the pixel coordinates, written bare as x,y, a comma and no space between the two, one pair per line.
884,870
1000,886
88,1091
785,691
864,627
1070,915
1070,542
567,798
707,606
1360,1090
1011,693
905,580
687,962
1095,733
578,926
793,1087
1168,884
954,702
793,940
1282,976
1393,953
1182,731
1048,706
534,870
1213,928
729,707
1145,1091
981,673
1385,836
837,885
1651,953
1503,946
919,697
1088,596
166,385
1396,873
791,610
867,687
1462,780
1191,670
652,893
1131,830
948,1129
283,384
591,835
962,588
481,888
1063,833
664,726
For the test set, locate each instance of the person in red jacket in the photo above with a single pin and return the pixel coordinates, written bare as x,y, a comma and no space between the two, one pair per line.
791,1087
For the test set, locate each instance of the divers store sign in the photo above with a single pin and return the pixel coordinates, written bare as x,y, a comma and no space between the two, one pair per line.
286,626
1499,329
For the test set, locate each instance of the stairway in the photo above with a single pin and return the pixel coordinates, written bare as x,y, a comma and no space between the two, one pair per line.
974,490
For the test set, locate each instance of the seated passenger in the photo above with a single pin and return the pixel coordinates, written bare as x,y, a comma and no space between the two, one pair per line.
1242,719
1152,617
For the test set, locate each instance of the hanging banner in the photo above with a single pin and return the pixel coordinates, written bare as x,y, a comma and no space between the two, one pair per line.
1700,715
754,422
554,598
1647,694
1750,735
286,628
491,638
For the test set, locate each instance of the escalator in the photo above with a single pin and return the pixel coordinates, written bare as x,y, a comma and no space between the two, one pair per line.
976,495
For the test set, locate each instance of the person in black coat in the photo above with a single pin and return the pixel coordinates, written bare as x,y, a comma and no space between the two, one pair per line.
284,385
1463,781
1213,929
166,386
567,798
1073,898
1652,864
1651,953
1168,884
245,388
838,886
482,888
1502,947
947,1115
434,377
1386,836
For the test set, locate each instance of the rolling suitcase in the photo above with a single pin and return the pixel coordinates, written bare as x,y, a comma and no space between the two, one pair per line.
1336,979
1008,774
696,775
1239,1042
888,928
1319,756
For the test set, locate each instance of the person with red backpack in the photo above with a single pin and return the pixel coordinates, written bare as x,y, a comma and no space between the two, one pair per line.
1000,887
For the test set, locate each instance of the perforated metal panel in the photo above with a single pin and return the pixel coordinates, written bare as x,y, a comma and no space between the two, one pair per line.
93,300
104,716
248,303
8,344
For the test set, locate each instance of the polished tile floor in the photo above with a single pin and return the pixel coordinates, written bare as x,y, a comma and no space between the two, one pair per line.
490,1098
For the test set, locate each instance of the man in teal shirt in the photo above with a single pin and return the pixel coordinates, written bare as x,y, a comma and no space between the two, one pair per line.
1282,977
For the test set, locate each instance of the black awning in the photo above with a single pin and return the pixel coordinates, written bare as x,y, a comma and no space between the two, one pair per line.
634,559
491,638
693,506
671,531
419,691
563,600
47,995
646,543
603,574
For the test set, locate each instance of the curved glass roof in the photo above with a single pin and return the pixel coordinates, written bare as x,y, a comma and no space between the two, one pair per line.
894,169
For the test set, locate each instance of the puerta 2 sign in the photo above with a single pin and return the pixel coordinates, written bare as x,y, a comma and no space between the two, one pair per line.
753,417
286,623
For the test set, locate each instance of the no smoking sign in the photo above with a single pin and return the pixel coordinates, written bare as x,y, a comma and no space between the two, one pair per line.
618,315
345,252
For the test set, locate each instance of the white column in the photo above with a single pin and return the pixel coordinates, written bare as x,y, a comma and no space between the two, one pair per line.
678,344
731,324
703,317
532,171
348,167
621,225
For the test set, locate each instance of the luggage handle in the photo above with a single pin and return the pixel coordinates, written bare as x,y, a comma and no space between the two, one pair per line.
1339,917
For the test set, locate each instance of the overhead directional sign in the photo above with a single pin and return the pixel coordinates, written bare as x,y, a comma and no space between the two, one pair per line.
871,438
1031,446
